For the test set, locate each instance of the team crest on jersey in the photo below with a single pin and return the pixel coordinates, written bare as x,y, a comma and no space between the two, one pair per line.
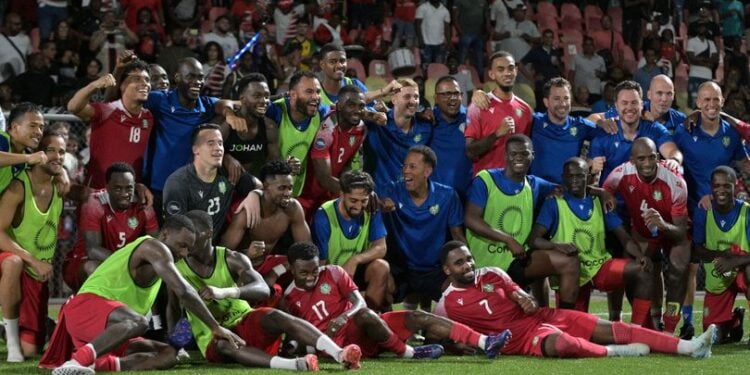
462,127
489,288
145,123
222,187
519,112
132,222
434,209
574,131
417,138
352,140
725,141
325,288
657,195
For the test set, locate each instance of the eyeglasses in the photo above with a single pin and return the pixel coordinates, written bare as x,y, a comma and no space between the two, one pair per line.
449,94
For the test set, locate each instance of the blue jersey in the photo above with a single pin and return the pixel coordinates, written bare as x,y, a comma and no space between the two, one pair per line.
386,148
418,232
453,166
344,82
554,144
171,147
671,121
703,152
540,188
274,113
723,221
583,208
322,228
616,148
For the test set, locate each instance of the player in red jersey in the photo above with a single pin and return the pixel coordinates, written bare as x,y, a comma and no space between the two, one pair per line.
656,199
119,129
108,220
271,267
489,301
328,298
335,149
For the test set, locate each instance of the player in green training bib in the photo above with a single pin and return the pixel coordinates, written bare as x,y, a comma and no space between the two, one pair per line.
25,127
30,211
350,236
574,225
104,320
227,281
720,239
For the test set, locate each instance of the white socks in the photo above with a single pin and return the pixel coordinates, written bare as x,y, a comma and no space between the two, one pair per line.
482,341
409,352
13,341
326,345
284,363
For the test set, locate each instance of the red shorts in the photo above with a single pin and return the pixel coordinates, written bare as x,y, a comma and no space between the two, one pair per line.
574,323
72,271
610,277
717,308
249,329
32,314
351,334
86,317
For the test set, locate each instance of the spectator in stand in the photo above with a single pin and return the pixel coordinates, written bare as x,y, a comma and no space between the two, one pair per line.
223,35
266,60
133,8
49,13
243,68
732,15
241,8
285,18
463,78
545,62
151,35
705,18
433,31
404,14
185,14
215,70
734,58
6,99
65,37
172,54
609,39
471,21
517,34
703,58
669,51
499,16
634,13
588,69
302,39
362,13
35,85
112,38
607,102
646,73
15,45
49,52
580,105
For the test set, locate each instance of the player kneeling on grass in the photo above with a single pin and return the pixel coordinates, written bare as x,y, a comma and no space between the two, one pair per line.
489,301
328,298
720,236
226,280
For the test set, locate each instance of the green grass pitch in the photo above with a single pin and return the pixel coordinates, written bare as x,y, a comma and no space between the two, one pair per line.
727,359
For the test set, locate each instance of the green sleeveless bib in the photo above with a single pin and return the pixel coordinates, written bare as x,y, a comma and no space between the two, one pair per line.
719,240
37,232
293,142
586,235
340,247
228,312
325,99
512,214
6,173
112,280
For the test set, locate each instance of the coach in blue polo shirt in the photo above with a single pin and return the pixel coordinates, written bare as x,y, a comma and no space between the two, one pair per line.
419,215
448,140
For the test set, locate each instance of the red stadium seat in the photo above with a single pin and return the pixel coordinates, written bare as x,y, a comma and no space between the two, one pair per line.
616,14
436,70
570,17
592,16
358,67
546,10
35,39
216,12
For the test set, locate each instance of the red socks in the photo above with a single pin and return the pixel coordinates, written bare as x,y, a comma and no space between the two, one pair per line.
395,345
659,342
568,346
641,310
85,355
107,363
463,334
670,322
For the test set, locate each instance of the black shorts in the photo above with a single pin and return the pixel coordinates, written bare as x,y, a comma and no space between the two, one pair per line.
429,283
517,270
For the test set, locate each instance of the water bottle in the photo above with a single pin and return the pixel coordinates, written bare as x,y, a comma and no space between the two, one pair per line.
652,228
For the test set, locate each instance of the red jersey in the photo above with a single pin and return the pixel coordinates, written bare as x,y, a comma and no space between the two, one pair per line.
117,136
487,307
338,147
667,194
482,123
328,300
116,227
273,263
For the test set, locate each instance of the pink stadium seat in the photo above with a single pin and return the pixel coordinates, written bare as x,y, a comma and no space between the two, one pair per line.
616,14
436,70
358,67
546,10
571,36
592,16
216,12
570,16
547,22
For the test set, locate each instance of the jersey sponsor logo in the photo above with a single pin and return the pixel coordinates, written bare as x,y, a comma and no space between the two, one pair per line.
41,234
434,209
658,195
222,187
173,208
325,288
574,131
593,263
513,215
489,288
132,222
584,240
246,148
320,144
725,141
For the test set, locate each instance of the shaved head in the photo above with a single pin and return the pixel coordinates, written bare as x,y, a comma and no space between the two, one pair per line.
642,144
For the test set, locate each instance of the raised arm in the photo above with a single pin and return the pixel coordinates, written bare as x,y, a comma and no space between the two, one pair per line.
79,103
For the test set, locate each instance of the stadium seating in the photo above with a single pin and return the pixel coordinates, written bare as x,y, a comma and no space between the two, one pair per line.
436,70
570,17
616,14
358,67
592,16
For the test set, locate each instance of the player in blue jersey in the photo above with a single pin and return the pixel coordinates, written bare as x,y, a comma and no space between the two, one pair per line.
386,146
448,140
555,134
419,214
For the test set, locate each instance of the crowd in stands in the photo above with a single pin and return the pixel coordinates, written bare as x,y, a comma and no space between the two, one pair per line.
265,113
